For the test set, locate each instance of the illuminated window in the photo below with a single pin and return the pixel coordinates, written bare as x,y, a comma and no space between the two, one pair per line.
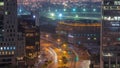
88,38
9,53
6,52
4,48
118,39
6,13
94,38
1,3
1,48
10,48
118,18
116,2
12,52
106,7
7,48
113,7
115,24
2,53
14,48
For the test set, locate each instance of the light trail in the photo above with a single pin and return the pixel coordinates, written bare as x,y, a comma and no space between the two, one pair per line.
55,55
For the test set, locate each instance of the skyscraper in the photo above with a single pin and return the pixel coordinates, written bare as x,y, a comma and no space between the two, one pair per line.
11,42
110,39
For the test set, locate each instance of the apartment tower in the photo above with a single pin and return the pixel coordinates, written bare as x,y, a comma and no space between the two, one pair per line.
10,49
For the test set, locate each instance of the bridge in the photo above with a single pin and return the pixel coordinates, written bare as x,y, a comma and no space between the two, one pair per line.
61,14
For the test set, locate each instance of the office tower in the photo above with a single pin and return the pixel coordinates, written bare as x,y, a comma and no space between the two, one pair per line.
31,33
110,39
11,42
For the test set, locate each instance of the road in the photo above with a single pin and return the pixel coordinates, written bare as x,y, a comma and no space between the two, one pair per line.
51,51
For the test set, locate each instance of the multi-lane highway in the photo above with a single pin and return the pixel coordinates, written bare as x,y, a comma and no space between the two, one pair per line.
51,52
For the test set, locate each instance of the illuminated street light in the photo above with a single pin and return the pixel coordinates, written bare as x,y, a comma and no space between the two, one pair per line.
64,45
60,15
46,35
58,40
64,52
64,9
73,9
76,16
34,16
20,10
52,14
60,60
94,10
84,9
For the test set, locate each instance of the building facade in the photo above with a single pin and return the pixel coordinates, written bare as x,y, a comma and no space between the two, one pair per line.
32,37
110,37
81,34
11,47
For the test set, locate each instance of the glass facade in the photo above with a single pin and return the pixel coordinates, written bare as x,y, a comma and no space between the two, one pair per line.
110,44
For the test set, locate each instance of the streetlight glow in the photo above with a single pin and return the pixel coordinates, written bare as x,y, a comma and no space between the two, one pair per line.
60,15
76,16
94,10
64,9
52,14
84,9
34,16
74,9
20,10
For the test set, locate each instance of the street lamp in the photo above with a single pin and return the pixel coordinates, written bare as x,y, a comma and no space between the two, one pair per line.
52,14
73,9
60,15
94,10
84,9
34,16
46,35
58,40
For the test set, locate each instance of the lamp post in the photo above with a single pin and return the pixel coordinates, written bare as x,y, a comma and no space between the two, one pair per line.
58,42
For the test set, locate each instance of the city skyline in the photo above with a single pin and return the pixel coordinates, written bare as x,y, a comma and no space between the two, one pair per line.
60,34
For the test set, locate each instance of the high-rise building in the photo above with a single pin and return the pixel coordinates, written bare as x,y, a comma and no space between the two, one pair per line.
110,38
31,32
11,42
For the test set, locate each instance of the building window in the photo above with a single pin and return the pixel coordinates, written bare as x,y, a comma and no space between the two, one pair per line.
1,48
6,13
4,48
11,48
1,3
95,38
12,52
3,53
9,53
7,48
6,52
116,2
88,38
14,48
